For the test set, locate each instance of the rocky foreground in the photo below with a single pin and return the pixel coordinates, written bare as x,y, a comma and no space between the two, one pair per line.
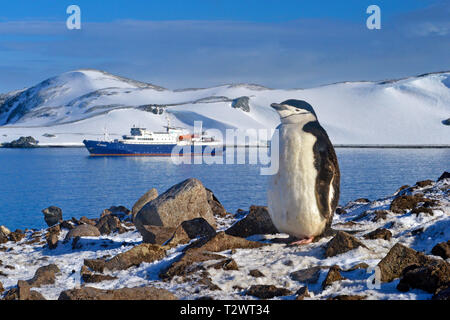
183,244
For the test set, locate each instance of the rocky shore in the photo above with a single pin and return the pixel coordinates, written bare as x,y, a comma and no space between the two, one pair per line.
183,244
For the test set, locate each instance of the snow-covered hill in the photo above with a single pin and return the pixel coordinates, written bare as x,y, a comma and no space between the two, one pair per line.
65,109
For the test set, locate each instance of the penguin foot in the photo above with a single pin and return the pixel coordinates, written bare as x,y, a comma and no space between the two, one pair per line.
302,241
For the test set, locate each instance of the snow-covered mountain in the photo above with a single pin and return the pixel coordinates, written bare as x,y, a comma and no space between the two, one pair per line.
65,109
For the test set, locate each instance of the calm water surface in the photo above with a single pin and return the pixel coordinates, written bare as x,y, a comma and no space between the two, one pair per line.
33,179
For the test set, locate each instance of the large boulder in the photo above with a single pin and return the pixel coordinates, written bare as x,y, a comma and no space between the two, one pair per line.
258,221
184,201
83,230
146,198
142,293
52,215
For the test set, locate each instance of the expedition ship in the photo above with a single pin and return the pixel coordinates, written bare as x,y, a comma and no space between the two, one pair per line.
142,142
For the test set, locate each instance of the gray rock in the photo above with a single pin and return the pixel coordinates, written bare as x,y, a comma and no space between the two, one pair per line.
307,276
83,230
184,201
241,103
52,215
22,142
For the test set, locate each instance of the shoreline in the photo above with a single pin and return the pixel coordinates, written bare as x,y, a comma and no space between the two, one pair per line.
340,146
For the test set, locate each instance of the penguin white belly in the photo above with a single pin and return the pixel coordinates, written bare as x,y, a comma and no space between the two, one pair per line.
291,194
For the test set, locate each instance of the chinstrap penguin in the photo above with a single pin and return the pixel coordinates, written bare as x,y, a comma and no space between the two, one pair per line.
303,195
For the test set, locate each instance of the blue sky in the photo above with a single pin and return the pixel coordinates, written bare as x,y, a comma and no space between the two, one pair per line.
188,43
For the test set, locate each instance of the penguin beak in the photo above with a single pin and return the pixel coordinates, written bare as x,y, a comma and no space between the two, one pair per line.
278,107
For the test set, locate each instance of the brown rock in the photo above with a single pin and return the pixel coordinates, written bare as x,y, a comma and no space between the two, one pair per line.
422,209
155,234
302,293
52,240
44,275
52,236
333,275
184,201
432,277
23,292
83,230
442,295
120,212
95,278
397,259
348,297
307,276
255,273
380,215
361,265
216,207
227,264
1,288
85,220
66,224
403,203
146,198
202,250
258,221
142,293
267,291
442,250
189,263
97,265
341,243
192,229
16,236
424,183
134,257
222,241
380,233
108,224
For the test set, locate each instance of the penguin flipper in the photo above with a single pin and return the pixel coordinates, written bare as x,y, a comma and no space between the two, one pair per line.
328,174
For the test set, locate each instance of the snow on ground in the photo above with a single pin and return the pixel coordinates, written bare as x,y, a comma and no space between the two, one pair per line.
275,261
82,103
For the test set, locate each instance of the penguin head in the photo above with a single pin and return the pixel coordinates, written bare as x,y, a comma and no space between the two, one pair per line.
294,110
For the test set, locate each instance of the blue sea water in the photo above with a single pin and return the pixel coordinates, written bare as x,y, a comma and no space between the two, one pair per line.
33,179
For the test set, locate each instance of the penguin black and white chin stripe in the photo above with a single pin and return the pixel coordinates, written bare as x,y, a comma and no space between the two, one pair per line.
304,193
